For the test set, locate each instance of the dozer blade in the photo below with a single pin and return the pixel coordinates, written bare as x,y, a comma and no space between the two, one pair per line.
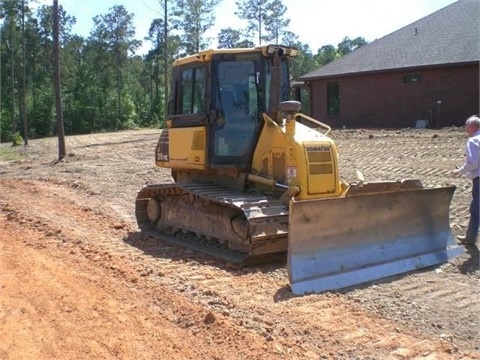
340,242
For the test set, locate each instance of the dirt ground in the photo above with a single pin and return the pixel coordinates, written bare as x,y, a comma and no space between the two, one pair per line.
78,281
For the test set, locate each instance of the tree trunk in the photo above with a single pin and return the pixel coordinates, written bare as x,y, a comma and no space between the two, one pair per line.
0,85
165,64
58,92
12,81
24,90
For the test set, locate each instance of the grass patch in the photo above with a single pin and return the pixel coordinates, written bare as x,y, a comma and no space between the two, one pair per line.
7,154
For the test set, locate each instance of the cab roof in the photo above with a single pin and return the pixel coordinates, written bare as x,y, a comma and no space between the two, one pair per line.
266,50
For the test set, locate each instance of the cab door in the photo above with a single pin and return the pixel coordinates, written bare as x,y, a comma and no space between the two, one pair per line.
235,129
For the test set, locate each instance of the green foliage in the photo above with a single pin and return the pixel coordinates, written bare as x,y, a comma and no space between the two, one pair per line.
228,38
194,18
4,125
265,19
17,139
303,63
104,86
275,23
347,45
42,119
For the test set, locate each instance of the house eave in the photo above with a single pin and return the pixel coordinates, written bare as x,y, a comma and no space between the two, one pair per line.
387,70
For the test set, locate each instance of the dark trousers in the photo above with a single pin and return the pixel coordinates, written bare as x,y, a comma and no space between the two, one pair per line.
472,231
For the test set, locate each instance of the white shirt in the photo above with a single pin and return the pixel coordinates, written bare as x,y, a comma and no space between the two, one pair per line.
471,167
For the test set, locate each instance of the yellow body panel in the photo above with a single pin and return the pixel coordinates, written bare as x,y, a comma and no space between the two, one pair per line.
299,156
182,148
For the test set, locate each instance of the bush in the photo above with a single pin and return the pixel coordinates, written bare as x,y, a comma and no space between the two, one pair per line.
17,139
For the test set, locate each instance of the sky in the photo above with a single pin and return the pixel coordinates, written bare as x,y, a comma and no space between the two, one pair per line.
316,22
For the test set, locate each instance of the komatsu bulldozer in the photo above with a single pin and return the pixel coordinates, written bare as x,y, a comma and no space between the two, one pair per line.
255,179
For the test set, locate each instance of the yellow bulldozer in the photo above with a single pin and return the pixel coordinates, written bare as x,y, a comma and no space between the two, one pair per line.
255,180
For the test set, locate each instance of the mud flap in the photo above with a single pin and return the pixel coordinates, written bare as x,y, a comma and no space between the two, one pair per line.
340,242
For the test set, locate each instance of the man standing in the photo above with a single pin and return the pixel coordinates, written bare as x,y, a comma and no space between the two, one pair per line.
471,169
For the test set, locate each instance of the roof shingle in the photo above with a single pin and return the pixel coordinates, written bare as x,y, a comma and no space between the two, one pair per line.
448,36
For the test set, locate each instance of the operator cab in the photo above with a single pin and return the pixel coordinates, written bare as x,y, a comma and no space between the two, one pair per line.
227,91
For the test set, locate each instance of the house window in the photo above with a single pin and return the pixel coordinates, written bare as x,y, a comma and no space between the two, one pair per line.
333,98
412,78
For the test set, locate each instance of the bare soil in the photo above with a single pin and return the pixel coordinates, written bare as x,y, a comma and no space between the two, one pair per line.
77,279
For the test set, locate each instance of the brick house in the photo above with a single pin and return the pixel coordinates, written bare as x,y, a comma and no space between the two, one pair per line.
425,73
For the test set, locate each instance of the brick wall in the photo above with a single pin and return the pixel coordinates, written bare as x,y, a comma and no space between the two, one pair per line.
386,101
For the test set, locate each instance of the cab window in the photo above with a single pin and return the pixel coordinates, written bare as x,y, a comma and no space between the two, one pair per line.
192,91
